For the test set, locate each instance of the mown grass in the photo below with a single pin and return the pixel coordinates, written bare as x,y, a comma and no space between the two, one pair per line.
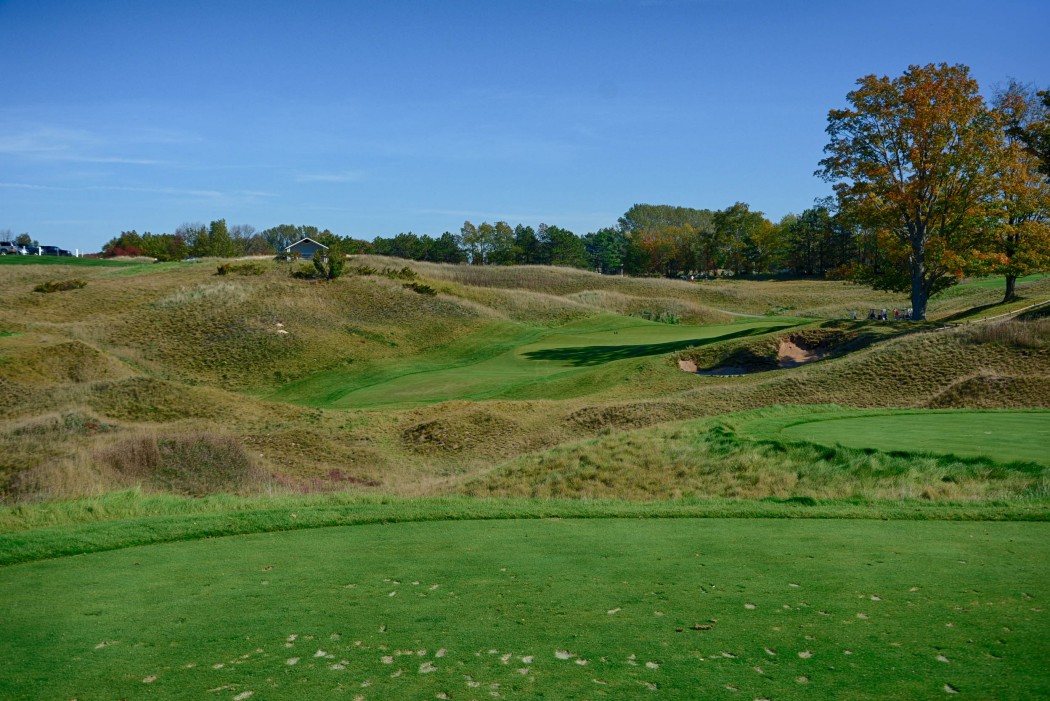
71,261
505,363
121,519
566,608
1003,436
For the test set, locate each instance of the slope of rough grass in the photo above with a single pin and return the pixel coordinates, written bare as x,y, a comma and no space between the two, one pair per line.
705,460
545,608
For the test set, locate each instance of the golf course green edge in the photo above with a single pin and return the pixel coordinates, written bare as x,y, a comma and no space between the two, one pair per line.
80,538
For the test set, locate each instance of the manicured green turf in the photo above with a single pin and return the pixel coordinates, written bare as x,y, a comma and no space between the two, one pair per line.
1002,436
998,281
677,609
513,362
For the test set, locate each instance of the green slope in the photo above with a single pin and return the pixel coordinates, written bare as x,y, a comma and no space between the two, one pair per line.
506,361
1001,436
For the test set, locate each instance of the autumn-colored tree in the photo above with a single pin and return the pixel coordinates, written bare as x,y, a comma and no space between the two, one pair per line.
1018,240
1034,132
910,157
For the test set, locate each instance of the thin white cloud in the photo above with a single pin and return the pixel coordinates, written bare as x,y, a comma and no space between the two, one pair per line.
30,186
71,145
175,191
349,176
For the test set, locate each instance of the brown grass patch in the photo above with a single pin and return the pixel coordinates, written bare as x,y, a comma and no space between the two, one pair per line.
195,463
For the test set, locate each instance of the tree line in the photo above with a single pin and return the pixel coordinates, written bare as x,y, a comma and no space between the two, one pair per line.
931,183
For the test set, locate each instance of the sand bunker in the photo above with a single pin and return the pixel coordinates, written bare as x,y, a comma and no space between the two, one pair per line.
792,355
789,355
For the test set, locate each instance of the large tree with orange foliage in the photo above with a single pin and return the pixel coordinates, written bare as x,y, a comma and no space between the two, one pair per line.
909,157
1018,240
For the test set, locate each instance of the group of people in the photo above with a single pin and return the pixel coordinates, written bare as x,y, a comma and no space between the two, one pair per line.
883,314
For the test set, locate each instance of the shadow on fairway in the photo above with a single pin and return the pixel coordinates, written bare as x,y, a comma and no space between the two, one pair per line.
581,356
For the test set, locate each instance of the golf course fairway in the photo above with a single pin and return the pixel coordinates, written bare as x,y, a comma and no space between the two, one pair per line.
545,608
514,362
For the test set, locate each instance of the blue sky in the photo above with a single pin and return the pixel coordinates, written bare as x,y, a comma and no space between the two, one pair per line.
373,118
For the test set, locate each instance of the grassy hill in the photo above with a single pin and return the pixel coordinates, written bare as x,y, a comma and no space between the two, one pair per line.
416,379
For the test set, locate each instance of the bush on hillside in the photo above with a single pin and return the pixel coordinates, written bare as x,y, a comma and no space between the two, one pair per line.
240,269
191,464
60,285
329,267
421,288
405,273
665,317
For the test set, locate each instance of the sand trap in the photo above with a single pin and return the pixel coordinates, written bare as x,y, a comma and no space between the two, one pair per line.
792,355
789,355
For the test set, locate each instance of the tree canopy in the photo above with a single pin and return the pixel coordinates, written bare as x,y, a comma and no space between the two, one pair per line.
908,158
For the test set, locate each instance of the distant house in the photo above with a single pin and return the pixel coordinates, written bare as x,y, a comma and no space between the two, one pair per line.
306,248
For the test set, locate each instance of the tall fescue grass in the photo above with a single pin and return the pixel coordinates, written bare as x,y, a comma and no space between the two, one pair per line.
1013,332
190,464
711,462
74,455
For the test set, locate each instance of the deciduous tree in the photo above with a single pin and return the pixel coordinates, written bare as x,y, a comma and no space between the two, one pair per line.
1018,240
909,157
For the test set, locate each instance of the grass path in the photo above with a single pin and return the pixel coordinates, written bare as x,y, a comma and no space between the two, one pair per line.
509,362
679,609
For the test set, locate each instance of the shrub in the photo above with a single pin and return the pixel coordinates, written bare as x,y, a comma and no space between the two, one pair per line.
303,272
192,464
329,267
240,269
405,273
667,317
421,288
60,285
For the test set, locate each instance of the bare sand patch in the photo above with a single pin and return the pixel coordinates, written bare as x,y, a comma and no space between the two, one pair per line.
792,355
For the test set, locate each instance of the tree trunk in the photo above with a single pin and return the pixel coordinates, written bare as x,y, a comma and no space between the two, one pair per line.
1011,288
919,292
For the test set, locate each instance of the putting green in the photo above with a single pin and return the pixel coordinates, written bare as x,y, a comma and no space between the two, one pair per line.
1003,436
596,608
514,362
